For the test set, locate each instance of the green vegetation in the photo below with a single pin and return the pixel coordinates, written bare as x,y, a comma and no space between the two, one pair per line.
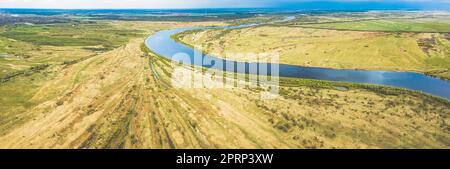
27,72
382,90
256,20
69,34
144,48
26,46
17,95
386,26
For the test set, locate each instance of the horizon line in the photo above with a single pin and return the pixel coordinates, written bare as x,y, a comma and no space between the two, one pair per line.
228,8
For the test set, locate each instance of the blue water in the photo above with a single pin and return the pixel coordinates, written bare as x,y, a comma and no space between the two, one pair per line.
162,44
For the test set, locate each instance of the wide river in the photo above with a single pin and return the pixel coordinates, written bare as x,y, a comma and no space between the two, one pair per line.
162,44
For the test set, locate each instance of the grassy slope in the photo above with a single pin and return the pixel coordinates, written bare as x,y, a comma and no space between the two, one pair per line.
67,34
30,45
393,25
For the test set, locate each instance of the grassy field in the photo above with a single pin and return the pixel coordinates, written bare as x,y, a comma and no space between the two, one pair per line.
23,46
391,25
68,34
418,52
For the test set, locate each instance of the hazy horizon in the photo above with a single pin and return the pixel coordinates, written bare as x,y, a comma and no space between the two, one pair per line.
224,4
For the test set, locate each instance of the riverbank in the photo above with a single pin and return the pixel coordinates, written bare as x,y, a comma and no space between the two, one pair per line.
308,113
163,43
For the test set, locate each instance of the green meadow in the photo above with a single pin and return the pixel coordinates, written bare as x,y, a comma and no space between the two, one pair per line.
23,46
394,25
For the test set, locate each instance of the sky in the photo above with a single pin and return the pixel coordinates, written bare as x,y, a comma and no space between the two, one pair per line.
164,4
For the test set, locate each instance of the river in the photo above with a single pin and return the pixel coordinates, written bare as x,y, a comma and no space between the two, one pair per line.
162,44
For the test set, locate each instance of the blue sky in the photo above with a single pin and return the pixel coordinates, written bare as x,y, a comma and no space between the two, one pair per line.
152,4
